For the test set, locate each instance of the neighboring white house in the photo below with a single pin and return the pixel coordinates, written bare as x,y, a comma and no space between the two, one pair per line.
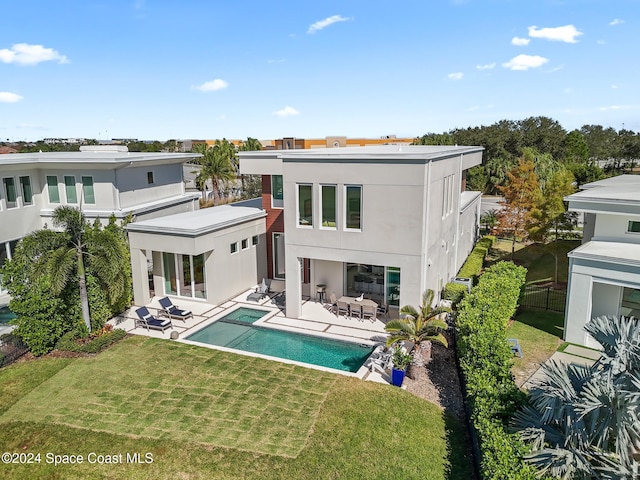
102,180
387,221
604,272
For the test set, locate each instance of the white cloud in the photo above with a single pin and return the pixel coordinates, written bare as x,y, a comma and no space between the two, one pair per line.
320,24
273,60
567,33
525,62
455,76
287,112
614,86
616,107
25,54
520,41
487,66
212,86
8,97
616,21
568,90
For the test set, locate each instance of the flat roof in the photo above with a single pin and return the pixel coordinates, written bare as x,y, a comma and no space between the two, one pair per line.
198,222
620,190
98,157
610,252
374,152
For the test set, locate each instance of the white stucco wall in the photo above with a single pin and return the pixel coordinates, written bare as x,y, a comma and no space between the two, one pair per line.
614,228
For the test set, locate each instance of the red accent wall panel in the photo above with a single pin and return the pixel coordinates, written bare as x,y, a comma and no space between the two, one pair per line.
274,220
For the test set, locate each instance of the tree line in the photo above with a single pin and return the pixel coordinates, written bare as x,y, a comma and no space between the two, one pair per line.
590,153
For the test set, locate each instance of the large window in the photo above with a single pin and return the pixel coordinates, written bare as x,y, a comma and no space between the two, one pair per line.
10,192
70,189
353,207
27,193
52,187
184,275
278,255
328,204
305,206
380,283
277,197
87,190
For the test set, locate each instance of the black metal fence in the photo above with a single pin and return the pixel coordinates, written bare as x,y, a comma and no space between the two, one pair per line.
11,348
544,298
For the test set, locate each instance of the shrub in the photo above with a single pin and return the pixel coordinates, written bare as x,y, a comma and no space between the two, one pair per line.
473,265
485,359
70,342
454,292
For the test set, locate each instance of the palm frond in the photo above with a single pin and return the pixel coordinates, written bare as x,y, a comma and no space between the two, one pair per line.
61,263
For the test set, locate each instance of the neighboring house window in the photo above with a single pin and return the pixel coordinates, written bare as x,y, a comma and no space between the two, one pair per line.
70,189
277,197
10,193
633,227
278,255
52,187
245,243
234,247
305,206
353,207
27,193
87,190
328,205
254,240
149,178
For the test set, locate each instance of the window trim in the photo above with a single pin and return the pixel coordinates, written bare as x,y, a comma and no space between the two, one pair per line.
345,209
629,222
335,205
5,191
68,187
93,192
298,217
255,240
273,199
233,248
150,178
22,190
244,244
274,244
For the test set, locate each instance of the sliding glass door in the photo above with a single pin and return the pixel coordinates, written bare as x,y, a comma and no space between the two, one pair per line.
184,275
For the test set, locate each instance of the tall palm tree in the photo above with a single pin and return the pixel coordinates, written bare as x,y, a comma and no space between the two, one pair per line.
66,259
421,326
217,165
584,421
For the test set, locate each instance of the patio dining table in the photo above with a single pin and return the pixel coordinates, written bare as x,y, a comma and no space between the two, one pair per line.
354,301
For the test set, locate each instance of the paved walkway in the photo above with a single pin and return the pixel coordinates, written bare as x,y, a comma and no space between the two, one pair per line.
573,354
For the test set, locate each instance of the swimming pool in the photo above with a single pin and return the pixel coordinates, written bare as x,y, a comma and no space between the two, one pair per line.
236,331
6,315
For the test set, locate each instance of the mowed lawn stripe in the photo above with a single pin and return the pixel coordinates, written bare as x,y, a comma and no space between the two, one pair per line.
165,390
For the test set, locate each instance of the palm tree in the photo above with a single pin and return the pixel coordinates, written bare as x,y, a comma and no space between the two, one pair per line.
66,259
217,165
420,326
584,421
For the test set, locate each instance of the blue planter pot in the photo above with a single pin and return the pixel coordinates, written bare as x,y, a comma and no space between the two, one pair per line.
397,377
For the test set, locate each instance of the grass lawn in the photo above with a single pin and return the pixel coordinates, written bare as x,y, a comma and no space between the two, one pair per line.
202,413
537,258
539,334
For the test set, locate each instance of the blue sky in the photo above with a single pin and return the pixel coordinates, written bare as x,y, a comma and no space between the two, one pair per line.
159,69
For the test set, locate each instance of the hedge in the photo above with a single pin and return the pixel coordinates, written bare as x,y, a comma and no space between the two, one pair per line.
485,360
471,268
69,342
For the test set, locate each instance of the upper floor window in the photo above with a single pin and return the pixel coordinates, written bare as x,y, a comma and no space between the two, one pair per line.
27,193
10,193
328,206
633,226
70,189
447,195
254,240
149,178
233,248
277,197
353,207
52,187
87,190
305,206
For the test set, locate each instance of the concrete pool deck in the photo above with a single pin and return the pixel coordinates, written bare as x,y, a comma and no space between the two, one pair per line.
316,320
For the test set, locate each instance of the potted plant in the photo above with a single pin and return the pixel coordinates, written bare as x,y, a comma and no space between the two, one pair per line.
401,360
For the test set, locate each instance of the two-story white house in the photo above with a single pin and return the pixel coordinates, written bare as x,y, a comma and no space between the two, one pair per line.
102,180
604,272
388,221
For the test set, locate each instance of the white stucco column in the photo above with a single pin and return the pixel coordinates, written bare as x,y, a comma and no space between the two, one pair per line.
293,286
140,277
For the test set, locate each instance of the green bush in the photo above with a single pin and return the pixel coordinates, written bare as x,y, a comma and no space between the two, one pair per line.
454,292
473,265
69,342
485,359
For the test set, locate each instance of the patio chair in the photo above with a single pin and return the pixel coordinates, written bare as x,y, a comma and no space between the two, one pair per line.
262,291
343,309
515,346
369,312
356,311
380,360
148,321
333,302
173,312
383,310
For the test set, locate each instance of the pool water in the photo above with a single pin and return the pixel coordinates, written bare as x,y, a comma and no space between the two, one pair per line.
239,334
6,315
